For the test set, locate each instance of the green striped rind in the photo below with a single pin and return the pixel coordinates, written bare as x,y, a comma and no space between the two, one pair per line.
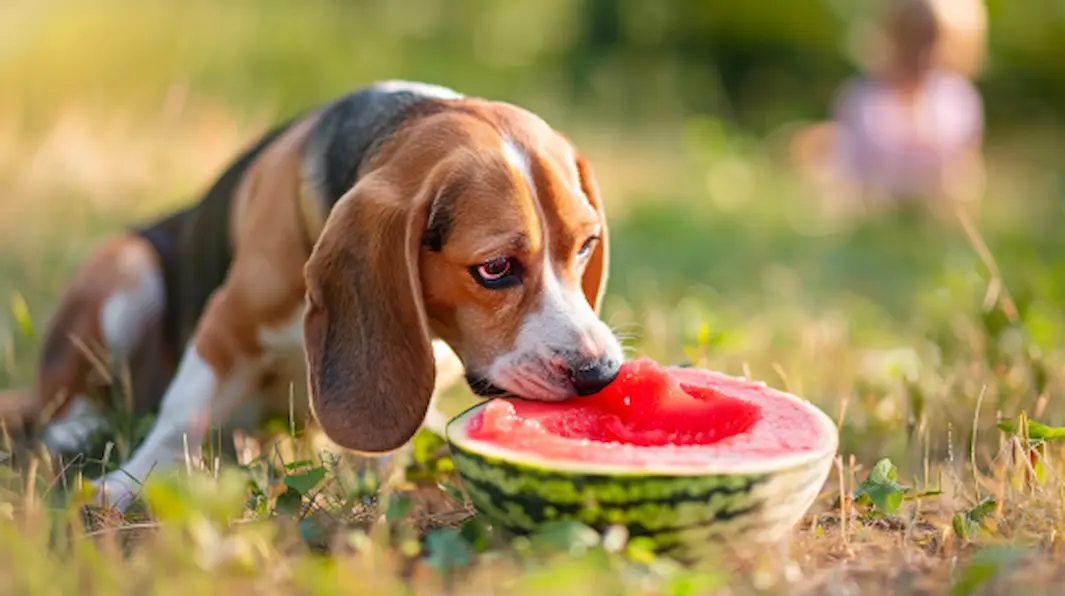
672,510
678,511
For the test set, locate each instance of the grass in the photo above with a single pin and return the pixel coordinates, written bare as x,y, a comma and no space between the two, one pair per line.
895,325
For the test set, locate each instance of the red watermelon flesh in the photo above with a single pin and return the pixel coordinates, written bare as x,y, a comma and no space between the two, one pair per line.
653,412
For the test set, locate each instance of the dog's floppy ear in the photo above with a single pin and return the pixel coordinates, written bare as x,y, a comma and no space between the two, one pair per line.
595,274
369,357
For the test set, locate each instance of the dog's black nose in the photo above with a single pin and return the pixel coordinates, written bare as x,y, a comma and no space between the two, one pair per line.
594,376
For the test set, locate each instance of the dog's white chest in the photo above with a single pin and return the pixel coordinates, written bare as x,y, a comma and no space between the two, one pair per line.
285,367
284,340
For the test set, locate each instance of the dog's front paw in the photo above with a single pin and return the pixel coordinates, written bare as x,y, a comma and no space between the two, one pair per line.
116,490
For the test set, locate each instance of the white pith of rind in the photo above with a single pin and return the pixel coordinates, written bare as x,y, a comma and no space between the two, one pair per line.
741,464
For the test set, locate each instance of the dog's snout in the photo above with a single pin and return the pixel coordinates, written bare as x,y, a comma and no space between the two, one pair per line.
594,376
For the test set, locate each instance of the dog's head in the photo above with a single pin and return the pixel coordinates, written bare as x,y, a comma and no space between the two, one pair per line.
481,226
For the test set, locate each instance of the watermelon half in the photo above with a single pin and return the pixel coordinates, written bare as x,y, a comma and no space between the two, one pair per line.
679,455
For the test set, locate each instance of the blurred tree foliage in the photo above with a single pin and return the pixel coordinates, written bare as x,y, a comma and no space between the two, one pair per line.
756,63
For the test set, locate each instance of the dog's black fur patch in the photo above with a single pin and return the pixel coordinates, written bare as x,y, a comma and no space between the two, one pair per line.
351,132
194,246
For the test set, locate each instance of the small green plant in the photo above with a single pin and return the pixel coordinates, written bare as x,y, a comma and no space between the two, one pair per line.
984,566
448,552
298,485
881,489
1032,430
967,524
1028,447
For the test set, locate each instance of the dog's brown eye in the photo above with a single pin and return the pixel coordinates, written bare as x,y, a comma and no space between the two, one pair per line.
495,268
497,273
586,248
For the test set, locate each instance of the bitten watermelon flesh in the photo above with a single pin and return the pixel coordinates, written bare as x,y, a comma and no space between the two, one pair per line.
649,406
679,455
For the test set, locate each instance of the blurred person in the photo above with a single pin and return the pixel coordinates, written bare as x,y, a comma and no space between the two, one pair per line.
911,126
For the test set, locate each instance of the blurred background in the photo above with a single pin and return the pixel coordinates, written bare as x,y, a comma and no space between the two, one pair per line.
733,241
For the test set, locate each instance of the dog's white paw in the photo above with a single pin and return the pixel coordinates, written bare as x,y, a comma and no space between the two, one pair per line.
115,490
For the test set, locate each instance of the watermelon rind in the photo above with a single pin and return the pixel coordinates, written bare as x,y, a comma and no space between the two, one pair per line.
679,508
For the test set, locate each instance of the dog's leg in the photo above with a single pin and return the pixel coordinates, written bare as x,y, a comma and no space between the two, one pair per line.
220,367
198,396
116,296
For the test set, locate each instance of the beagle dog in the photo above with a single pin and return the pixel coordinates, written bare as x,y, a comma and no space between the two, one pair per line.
371,250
